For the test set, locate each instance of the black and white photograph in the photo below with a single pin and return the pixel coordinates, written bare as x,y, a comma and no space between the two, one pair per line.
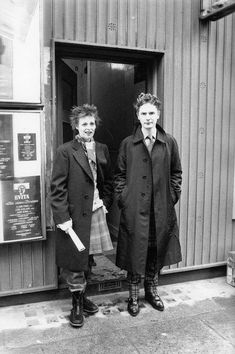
117,176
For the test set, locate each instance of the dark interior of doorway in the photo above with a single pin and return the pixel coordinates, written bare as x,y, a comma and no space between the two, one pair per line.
112,82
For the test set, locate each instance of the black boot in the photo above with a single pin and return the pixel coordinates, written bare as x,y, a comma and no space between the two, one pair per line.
76,317
89,307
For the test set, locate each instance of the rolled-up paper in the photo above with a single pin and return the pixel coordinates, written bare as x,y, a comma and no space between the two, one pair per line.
76,240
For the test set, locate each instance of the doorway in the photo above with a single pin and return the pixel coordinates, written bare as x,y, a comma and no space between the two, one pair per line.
111,80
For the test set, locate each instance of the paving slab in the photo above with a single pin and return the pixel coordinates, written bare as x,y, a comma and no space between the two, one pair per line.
198,318
185,335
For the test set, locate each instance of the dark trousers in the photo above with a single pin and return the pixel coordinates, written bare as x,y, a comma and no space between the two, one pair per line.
151,272
76,281
150,278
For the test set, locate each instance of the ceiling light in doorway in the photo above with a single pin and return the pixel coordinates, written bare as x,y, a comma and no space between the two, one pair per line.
117,66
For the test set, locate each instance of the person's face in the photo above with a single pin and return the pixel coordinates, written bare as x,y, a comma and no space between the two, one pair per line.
86,127
148,115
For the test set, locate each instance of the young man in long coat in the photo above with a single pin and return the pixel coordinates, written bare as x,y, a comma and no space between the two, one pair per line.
147,186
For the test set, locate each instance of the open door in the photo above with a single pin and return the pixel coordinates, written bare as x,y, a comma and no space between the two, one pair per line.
66,98
112,83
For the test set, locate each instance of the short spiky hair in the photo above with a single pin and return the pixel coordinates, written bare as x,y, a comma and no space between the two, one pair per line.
78,112
147,98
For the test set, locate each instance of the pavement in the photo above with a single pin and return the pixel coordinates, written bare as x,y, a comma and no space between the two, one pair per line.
199,317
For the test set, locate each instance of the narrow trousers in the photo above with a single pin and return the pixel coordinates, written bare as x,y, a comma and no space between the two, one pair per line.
150,278
76,281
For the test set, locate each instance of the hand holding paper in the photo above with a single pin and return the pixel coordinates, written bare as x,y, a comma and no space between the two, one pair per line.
76,240
67,228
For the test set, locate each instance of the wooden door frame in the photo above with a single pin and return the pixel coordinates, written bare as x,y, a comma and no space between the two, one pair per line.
70,49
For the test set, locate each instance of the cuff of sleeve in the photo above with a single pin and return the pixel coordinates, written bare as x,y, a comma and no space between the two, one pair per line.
66,225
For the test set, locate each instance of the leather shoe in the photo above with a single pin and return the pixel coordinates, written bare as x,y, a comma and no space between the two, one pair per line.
155,301
133,307
89,307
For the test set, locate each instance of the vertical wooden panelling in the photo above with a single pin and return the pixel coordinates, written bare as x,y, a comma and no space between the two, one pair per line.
91,25
193,132
49,277
151,23
37,265
198,106
160,25
210,111
80,20
58,18
215,219
132,23
69,19
177,81
202,99
224,144
122,22
186,88
112,26
27,265
229,95
230,244
16,274
4,269
102,10
142,24
168,73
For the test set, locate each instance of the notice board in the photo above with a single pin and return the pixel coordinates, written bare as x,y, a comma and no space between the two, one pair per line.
22,202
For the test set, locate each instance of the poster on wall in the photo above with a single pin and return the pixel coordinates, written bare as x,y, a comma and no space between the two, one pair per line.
27,146
21,178
6,147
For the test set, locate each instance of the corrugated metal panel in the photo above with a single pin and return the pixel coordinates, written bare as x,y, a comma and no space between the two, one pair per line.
130,23
198,101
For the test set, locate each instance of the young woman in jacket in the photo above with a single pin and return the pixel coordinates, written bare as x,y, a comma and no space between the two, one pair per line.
81,194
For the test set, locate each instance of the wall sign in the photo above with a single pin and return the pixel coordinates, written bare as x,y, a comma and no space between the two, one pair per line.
21,179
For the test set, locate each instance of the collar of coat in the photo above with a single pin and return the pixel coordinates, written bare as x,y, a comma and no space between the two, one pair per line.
81,157
138,135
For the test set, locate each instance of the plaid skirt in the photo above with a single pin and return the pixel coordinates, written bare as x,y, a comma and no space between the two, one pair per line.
99,237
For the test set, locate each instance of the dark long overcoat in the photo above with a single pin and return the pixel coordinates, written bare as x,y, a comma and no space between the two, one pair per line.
72,192
138,178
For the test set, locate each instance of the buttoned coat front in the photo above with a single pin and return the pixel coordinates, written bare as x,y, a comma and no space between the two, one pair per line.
139,178
72,192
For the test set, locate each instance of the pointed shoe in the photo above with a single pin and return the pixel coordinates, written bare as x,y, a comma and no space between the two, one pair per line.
133,307
155,301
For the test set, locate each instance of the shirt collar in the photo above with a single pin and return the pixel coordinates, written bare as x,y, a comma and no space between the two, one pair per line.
154,134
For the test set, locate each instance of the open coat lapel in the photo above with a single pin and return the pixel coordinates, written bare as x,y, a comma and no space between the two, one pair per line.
99,154
81,158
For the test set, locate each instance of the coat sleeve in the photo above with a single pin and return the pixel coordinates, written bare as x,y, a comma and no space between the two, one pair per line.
59,191
120,174
176,171
108,181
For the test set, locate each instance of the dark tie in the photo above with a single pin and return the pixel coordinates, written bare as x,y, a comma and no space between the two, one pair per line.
149,143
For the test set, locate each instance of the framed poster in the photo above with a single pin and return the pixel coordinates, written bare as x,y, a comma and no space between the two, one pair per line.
22,195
